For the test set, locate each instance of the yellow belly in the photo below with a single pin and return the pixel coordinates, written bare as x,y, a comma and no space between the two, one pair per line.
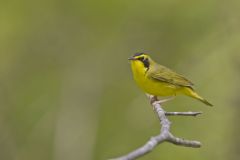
156,88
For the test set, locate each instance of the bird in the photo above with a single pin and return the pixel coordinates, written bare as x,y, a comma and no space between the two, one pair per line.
160,81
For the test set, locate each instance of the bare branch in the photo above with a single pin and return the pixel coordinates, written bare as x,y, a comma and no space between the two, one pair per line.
182,113
165,134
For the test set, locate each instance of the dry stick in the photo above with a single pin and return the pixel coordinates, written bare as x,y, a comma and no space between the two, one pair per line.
182,113
164,135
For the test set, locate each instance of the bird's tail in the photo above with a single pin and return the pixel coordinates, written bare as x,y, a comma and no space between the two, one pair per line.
190,92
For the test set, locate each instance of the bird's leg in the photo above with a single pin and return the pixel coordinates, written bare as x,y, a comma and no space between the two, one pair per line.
154,99
164,100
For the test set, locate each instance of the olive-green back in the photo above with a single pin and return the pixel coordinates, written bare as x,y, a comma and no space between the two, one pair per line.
164,74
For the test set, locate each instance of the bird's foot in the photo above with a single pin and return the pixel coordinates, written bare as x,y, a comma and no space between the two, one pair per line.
163,100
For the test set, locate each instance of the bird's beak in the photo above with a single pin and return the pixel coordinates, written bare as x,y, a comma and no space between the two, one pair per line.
132,58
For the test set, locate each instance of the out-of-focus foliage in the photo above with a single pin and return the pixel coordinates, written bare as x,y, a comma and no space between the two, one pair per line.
66,90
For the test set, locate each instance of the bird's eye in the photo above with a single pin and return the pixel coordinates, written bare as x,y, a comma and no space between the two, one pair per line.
145,61
141,58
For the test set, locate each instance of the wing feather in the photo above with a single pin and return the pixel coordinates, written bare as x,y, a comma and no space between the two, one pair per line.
164,74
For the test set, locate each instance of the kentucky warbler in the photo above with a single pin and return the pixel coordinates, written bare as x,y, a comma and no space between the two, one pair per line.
160,81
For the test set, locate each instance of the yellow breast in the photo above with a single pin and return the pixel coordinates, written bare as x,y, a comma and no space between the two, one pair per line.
149,85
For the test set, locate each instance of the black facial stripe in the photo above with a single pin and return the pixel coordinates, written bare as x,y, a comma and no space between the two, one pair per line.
146,63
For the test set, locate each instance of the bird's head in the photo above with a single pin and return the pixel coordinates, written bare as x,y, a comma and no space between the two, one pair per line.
141,60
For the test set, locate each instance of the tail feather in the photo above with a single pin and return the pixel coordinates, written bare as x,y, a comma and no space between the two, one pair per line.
190,92
205,102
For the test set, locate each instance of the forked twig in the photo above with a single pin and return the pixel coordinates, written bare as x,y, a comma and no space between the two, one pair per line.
165,134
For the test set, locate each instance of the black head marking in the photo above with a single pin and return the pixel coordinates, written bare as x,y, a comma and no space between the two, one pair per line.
139,54
146,63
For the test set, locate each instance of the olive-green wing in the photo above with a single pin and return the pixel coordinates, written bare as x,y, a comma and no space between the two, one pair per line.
164,74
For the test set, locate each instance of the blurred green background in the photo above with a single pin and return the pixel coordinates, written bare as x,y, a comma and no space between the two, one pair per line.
66,89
